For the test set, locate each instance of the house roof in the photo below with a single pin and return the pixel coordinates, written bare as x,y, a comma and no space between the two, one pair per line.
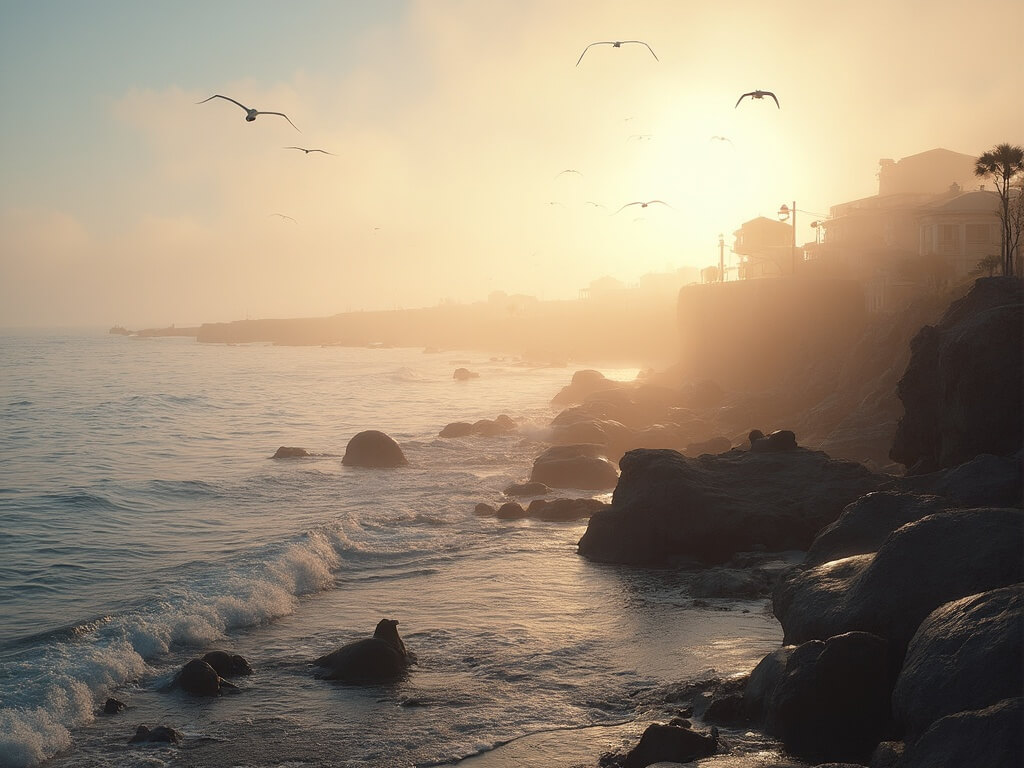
978,201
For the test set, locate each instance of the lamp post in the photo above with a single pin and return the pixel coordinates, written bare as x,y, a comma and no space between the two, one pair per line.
785,212
721,258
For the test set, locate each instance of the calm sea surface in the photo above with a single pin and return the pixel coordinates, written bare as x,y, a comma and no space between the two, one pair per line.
142,521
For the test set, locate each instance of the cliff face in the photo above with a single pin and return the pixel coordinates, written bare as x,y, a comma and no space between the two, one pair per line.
963,388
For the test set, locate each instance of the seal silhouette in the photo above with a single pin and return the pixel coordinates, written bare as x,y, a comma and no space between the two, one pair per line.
375,659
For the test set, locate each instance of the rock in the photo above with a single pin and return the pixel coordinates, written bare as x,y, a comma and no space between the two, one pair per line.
527,489
967,655
984,481
887,755
563,510
919,567
464,374
227,664
380,658
457,429
510,510
779,440
731,583
161,734
580,466
715,445
961,391
763,681
726,709
502,425
285,452
667,505
484,510
868,521
198,678
373,449
670,743
584,383
832,702
113,706
986,737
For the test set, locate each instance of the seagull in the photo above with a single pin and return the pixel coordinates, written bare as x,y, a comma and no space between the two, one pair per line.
596,205
644,205
285,217
616,44
307,151
757,95
250,114
568,170
721,138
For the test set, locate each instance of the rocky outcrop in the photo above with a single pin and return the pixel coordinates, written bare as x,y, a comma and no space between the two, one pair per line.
502,425
984,481
227,664
547,510
582,466
670,743
584,383
161,734
373,449
667,505
919,567
990,736
527,489
961,391
112,706
966,655
286,452
198,678
464,374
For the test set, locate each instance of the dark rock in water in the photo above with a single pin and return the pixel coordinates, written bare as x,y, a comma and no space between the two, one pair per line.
113,706
667,505
919,567
161,734
670,743
380,658
502,425
985,737
868,521
227,664
563,510
779,440
527,489
457,429
200,679
967,655
284,452
714,446
961,391
575,466
584,383
510,510
761,685
373,449
887,755
832,702
463,374
484,510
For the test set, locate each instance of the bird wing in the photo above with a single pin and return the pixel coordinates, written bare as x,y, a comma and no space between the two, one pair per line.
282,114
599,42
741,98
322,150
301,149
637,202
641,42
226,98
651,202
769,93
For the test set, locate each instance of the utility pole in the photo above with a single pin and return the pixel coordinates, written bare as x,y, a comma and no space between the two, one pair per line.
721,258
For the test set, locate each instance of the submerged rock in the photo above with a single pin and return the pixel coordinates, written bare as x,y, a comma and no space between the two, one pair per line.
160,734
463,374
227,664
380,658
198,678
284,452
373,448
113,706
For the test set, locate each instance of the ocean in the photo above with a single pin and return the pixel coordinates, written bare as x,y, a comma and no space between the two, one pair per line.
143,522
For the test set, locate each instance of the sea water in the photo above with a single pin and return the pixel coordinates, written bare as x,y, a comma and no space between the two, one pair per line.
142,522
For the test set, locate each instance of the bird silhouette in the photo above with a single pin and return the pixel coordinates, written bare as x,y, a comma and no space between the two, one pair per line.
307,151
250,114
721,138
616,44
281,215
640,137
643,204
757,95
596,205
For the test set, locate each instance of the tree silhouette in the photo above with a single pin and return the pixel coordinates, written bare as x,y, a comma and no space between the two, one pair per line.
989,264
1003,163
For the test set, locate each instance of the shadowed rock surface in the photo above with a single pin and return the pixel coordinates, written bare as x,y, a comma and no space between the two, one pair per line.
582,466
161,734
502,425
986,737
527,489
373,448
198,678
962,389
667,505
669,743
227,664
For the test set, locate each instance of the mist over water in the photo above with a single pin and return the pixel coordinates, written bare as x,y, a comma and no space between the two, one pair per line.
143,522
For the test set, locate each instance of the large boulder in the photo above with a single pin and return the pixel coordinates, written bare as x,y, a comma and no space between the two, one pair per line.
832,701
502,425
709,507
380,658
919,567
670,743
227,664
290,452
961,391
373,449
584,383
985,737
199,678
161,734
967,655
582,466
984,481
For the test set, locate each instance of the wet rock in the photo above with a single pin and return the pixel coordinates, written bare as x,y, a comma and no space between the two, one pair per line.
584,383
510,510
715,445
457,429
563,510
502,425
580,466
198,678
373,448
484,510
113,706
161,734
464,374
670,743
227,664
284,452
985,737
527,489
779,440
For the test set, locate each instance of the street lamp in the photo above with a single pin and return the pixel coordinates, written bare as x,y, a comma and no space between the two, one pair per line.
721,258
785,212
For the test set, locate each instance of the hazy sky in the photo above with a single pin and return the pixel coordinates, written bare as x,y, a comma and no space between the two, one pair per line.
450,121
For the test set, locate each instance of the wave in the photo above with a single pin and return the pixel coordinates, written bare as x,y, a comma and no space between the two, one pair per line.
408,374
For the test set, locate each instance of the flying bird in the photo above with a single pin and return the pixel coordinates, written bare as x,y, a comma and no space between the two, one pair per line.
250,114
307,151
568,170
757,95
284,217
644,205
616,44
640,137
721,138
596,205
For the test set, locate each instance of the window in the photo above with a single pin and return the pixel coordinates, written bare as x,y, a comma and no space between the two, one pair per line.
949,238
977,234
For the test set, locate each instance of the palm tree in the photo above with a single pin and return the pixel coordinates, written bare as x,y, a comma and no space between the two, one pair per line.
1002,164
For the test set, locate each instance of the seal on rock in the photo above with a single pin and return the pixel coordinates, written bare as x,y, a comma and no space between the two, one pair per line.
379,658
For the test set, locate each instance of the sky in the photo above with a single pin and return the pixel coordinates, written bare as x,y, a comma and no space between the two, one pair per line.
450,123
